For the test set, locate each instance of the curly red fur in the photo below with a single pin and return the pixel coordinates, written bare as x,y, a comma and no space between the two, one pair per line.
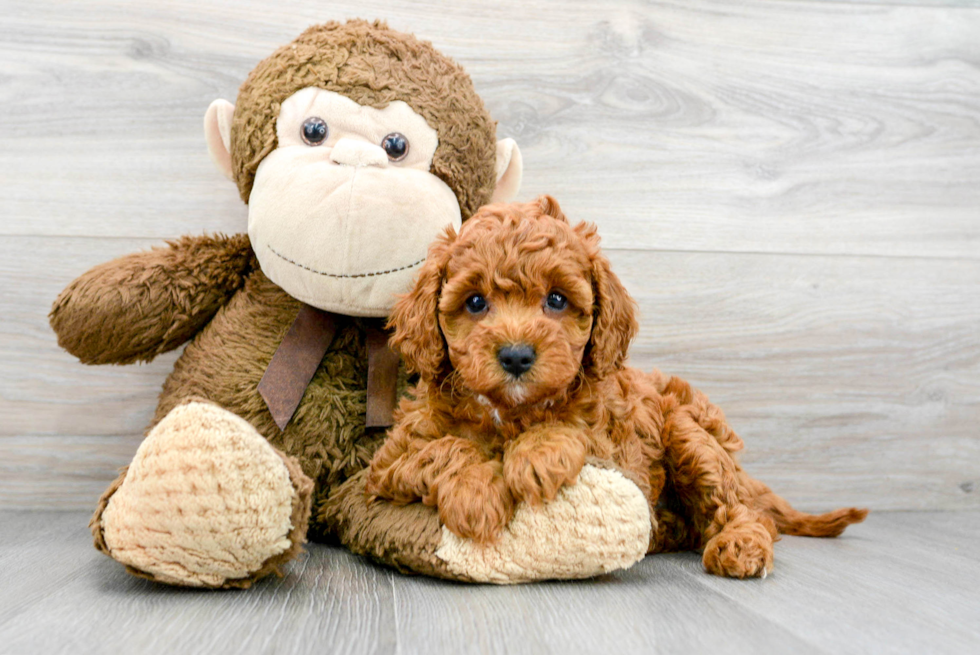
478,437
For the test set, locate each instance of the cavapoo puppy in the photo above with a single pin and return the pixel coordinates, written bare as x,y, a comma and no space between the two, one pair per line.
519,330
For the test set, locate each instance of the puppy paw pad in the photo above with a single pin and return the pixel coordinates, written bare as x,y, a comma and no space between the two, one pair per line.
743,552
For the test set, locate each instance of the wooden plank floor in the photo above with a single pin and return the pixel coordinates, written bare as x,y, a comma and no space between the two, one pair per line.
901,582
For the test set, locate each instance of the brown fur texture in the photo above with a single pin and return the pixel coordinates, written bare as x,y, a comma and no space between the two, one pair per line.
477,438
164,297
372,65
404,537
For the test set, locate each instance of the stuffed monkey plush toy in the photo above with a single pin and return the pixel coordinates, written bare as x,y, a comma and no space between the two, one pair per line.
353,146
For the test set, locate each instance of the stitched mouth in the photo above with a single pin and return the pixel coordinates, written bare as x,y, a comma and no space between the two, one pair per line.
345,275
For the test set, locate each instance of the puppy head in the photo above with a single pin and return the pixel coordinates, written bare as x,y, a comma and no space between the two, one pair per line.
519,303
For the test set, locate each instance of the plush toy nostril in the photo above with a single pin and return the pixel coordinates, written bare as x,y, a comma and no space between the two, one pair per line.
351,152
516,360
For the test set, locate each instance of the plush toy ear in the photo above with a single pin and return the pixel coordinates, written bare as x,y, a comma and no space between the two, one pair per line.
614,323
415,316
217,131
510,169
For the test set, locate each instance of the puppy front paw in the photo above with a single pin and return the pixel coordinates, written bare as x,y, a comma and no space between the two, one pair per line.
742,551
536,471
475,503
372,486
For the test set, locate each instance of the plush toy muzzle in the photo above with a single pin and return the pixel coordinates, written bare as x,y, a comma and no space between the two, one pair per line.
343,240
337,220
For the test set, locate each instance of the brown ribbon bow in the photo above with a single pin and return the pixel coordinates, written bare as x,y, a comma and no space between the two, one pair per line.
298,357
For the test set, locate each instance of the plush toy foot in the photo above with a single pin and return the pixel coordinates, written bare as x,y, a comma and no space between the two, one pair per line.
600,524
206,502
740,551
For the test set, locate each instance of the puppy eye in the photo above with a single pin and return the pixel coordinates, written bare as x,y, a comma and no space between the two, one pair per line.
395,145
476,304
314,131
556,301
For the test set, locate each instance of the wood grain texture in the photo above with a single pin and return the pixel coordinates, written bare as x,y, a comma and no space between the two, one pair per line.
789,189
852,380
795,127
60,596
901,582
648,609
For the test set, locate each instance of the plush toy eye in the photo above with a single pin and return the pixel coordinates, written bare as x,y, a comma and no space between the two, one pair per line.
556,301
476,304
396,145
314,131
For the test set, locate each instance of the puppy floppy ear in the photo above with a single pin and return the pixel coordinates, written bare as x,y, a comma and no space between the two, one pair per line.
548,206
415,316
614,322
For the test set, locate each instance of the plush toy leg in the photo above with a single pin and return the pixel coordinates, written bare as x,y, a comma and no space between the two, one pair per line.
600,524
206,502
737,540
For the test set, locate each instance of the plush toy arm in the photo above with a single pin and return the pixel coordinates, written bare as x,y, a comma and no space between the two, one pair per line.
138,306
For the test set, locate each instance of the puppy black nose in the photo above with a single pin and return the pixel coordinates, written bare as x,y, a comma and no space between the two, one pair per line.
516,360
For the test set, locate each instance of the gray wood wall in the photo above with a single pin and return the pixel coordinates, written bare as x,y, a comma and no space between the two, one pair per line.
790,189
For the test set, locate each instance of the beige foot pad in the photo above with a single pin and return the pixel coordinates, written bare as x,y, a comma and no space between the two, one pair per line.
598,525
206,501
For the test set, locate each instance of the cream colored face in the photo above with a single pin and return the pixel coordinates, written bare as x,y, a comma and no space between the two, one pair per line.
336,221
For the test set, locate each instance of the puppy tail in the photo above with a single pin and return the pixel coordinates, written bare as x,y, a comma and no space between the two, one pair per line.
791,521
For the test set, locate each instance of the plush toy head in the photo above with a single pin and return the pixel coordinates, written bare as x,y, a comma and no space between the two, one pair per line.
354,146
